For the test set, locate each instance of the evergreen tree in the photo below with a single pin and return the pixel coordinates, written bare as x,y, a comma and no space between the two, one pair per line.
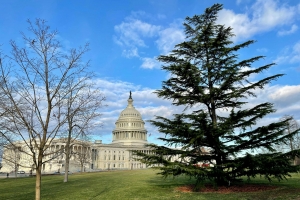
208,77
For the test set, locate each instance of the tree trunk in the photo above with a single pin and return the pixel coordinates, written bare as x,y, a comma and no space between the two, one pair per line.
66,170
213,114
16,172
67,162
82,167
38,179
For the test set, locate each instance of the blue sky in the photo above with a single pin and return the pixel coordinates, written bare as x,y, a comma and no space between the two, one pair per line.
126,36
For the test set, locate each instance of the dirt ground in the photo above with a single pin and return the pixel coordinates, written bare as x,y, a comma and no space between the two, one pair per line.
224,189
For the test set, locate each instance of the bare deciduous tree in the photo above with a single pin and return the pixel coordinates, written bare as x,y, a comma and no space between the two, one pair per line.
2,144
36,84
81,108
12,158
293,142
83,154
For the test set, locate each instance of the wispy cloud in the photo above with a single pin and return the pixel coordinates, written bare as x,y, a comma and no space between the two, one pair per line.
292,30
170,36
284,97
264,15
130,34
133,33
150,63
289,54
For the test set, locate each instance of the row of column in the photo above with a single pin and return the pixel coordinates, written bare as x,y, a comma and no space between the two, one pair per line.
129,135
74,148
130,124
124,165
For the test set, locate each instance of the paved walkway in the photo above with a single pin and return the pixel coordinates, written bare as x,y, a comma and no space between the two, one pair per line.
13,175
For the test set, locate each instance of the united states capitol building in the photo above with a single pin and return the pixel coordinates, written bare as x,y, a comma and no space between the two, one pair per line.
129,134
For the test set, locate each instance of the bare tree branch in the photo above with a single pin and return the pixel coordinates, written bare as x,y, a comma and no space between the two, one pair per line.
39,83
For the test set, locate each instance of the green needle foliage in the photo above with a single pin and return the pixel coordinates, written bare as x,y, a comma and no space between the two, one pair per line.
208,77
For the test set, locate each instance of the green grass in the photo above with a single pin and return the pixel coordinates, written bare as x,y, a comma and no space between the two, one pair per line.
132,184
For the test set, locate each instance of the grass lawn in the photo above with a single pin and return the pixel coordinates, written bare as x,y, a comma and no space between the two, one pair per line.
132,184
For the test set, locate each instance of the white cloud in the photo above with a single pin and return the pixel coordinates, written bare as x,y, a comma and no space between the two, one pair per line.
263,16
296,47
131,52
150,63
296,53
131,34
115,86
293,29
289,54
151,111
169,37
132,30
281,59
117,93
284,97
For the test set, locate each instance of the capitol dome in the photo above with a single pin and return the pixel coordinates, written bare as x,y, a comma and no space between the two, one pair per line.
130,128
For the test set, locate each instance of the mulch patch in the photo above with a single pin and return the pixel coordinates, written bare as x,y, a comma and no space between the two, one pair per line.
224,189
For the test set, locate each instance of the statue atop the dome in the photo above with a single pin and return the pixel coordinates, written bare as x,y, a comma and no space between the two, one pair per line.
130,97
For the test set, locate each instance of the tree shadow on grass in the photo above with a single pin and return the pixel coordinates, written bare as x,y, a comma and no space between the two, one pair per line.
170,181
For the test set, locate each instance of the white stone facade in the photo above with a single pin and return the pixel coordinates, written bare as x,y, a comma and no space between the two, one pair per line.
18,157
129,134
